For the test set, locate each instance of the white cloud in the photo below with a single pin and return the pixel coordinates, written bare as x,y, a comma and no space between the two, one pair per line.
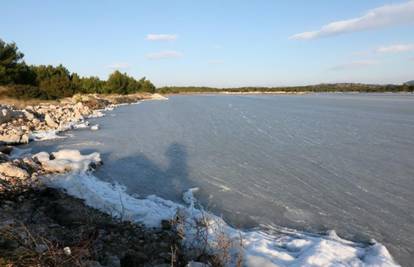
379,17
396,48
161,37
119,65
355,64
164,54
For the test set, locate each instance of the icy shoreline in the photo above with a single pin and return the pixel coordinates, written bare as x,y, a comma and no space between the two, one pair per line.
290,248
72,173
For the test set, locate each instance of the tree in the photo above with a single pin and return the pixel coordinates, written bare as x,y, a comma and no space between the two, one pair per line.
13,70
54,81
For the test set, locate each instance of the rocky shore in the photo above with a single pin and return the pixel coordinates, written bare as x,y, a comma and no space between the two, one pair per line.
42,226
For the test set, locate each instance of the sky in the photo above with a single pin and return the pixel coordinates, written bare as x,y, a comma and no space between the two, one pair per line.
222,43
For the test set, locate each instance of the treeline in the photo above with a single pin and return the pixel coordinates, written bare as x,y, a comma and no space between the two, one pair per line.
338,87
54,82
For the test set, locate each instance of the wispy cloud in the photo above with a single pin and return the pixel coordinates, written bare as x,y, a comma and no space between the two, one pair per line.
161,37
395,48
164,55
215,61
119,65
387,15
355,65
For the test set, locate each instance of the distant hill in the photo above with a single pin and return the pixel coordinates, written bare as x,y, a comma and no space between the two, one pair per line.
409,82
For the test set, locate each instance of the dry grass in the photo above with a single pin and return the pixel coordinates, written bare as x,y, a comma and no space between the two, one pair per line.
21,103
52,253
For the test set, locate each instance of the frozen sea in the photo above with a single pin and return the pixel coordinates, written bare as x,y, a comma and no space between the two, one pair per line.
309,162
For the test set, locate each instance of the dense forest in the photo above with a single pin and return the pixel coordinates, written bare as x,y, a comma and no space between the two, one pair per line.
53,82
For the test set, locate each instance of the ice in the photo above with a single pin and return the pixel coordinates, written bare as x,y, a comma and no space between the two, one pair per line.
45,135
282,248
95,127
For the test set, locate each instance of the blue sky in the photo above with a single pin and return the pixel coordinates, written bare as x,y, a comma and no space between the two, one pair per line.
217,42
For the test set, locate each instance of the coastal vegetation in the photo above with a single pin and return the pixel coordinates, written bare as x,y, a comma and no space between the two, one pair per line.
47,82
334,87
25,81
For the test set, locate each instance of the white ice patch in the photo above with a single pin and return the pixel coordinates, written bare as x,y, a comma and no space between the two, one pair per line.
285,248
95,127
45,135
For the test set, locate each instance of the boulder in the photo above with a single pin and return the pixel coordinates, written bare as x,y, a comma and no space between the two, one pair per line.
29,115
50,122
6,115
12,138
11,170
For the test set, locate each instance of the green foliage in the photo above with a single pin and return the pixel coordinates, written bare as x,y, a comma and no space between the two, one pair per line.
121,83
13,70
338,87
50,82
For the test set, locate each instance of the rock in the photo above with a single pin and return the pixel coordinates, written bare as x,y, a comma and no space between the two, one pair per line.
5,115
11,139
50,122
197,264
41,157
67,251
95,127
40,248
29,115
24,139
10,170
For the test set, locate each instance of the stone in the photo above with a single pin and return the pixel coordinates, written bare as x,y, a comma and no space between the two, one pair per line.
5,115
29,115
50,122
197,264
12,138
95,127
40,248
8,169
67,251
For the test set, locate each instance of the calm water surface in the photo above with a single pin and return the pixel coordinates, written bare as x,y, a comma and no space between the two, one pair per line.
311,162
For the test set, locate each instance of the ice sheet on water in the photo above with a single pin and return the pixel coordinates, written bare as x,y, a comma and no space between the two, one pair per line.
290,248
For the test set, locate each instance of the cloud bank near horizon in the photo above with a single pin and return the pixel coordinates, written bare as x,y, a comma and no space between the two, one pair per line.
380,17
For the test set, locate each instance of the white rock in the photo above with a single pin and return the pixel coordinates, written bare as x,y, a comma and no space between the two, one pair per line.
42,157
29,115
197,264
10,170
50,122
95,127
67,251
